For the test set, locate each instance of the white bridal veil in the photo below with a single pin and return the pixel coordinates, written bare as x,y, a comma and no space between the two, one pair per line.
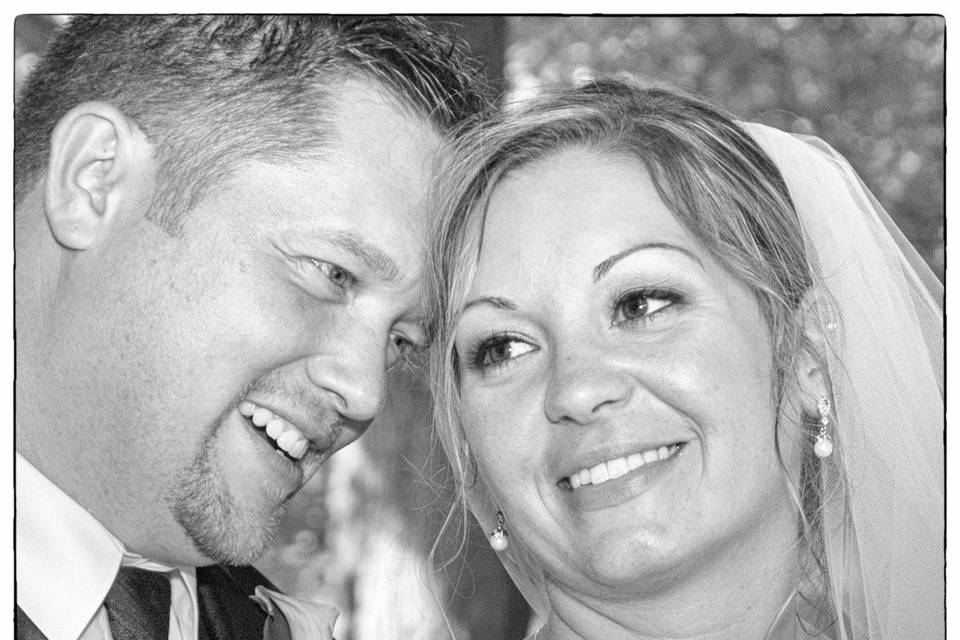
883,529
884,533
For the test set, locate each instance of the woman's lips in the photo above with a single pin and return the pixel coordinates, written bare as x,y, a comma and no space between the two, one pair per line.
628,480
617,467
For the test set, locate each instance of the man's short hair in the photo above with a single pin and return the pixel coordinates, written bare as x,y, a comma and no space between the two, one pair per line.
212,91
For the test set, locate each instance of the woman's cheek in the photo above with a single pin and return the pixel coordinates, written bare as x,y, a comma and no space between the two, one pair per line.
500,429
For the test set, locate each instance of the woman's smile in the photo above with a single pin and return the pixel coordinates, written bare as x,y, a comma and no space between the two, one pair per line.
615,481
613,378
603,472
633,375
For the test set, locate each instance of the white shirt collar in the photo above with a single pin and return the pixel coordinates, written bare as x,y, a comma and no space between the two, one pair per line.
67,562
66,559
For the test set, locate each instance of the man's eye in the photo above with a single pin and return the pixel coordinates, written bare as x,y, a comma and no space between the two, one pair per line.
337,275
404,352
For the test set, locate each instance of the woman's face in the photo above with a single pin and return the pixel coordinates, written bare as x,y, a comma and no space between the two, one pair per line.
616,382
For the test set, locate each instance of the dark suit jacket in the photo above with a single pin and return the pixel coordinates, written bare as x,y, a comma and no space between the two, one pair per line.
226,610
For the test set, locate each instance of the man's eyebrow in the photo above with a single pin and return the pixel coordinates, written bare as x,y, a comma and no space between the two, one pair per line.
371,255
601,269
494,301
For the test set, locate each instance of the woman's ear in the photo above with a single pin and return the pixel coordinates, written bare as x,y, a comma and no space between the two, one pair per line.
811,374
94,149
812,382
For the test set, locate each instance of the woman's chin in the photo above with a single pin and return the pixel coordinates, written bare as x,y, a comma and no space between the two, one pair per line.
617,566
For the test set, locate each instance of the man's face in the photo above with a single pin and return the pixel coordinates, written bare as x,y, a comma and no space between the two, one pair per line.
222,367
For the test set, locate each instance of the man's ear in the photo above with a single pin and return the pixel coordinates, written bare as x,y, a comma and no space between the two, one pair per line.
94,149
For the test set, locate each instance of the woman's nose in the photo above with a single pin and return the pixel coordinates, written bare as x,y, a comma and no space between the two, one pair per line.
585,389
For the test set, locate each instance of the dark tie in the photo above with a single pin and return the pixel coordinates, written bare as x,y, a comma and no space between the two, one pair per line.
138,605
25,629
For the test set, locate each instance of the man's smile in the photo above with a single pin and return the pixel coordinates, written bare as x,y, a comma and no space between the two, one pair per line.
286,437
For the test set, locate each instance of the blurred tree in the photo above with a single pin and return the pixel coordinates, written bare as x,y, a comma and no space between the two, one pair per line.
872,87
31,34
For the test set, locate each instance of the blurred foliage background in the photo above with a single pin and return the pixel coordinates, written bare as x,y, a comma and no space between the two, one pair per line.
872,87
359,535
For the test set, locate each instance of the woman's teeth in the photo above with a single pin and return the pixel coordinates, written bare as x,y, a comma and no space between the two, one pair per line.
287,437
612,469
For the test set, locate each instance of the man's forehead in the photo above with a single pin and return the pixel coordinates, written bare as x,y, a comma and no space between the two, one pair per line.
395,150
360,100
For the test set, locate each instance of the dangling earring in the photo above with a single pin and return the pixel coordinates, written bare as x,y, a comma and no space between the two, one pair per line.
498,537
823,447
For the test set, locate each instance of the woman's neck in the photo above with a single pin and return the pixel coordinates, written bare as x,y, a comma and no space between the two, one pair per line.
712,618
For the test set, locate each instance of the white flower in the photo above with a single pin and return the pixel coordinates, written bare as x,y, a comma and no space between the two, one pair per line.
300,619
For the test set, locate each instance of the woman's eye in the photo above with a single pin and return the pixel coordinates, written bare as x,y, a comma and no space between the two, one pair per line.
498,351
338,276
640,306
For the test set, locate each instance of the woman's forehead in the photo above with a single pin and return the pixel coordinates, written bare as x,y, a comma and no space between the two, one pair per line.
569,193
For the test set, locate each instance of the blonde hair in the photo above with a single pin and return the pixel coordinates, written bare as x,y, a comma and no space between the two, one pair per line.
712,176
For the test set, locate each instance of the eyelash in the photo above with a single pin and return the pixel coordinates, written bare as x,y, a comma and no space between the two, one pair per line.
476,356
646,294
329,271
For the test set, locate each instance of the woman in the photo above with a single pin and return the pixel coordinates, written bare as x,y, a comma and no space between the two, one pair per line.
689,376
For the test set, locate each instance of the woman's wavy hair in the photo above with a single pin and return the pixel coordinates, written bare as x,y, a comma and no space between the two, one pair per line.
718,184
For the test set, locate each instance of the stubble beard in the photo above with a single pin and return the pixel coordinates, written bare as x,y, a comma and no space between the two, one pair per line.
204,506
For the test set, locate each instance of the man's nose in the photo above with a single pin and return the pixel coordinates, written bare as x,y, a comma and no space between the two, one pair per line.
353,372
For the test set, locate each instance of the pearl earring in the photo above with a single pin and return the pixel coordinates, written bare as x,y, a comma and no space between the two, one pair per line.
823,447
498,537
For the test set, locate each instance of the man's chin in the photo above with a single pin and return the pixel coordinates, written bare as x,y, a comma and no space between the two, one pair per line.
221,527
230,537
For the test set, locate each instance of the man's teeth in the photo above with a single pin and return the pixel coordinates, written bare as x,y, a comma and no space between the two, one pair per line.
288,438
612,469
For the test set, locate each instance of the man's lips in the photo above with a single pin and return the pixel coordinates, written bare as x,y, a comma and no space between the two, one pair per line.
286,437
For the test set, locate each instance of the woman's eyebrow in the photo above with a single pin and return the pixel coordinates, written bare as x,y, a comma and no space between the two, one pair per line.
601,269
495,301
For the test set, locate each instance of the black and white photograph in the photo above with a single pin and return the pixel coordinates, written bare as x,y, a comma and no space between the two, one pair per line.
478,326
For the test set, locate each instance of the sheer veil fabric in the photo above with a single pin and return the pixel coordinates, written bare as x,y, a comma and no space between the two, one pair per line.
881,311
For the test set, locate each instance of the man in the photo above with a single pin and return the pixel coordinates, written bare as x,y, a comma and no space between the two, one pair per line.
219,228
